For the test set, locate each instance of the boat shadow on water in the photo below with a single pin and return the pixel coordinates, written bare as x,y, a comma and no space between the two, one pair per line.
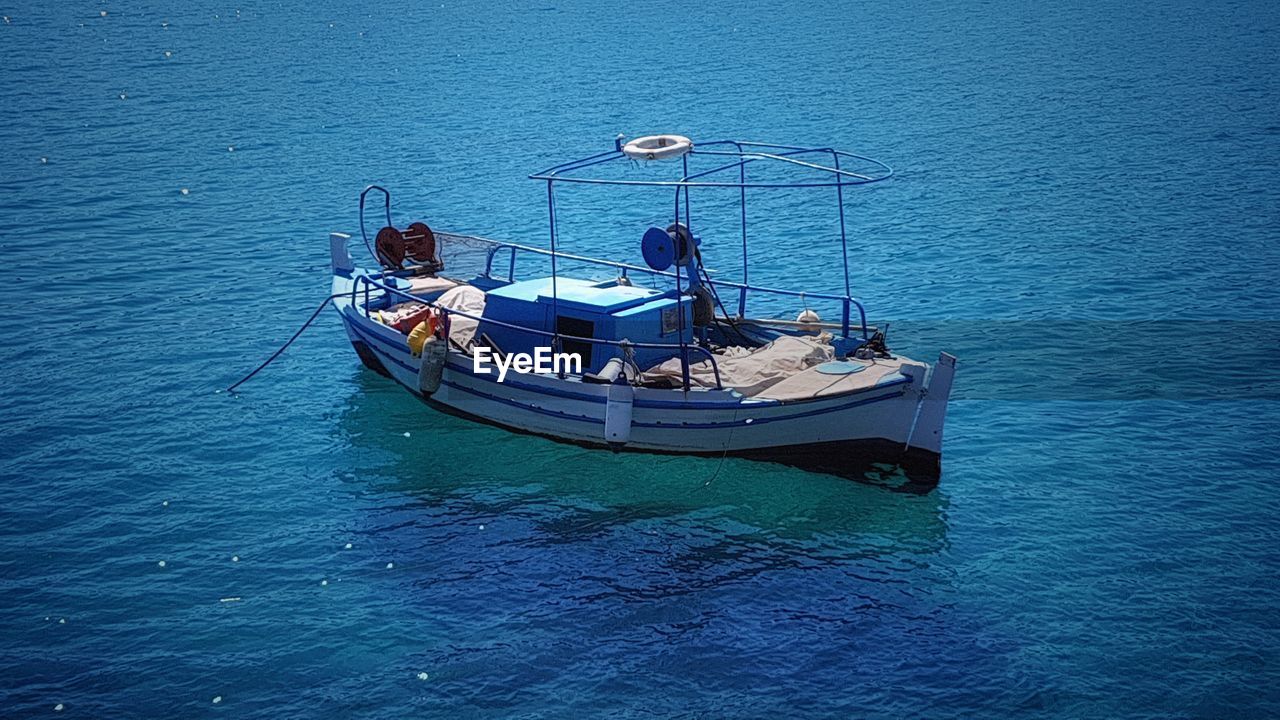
493,472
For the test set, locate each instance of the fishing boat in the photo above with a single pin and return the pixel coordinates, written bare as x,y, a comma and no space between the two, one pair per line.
672,356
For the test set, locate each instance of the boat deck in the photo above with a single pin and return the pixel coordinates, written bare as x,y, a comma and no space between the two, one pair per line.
812,383
787,369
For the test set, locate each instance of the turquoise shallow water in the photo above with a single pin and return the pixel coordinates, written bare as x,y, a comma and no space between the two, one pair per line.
1085,212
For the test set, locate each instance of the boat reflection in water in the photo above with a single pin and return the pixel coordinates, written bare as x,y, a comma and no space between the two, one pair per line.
464,473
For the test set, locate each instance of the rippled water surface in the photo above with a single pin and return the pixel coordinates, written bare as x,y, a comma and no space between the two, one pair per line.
1085,211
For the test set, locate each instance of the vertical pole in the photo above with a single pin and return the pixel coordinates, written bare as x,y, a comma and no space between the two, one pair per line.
684,349
742,203
844,244
688,224
695,263
694,278
555,296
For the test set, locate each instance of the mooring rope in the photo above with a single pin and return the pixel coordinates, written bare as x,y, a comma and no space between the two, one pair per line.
285,346
728,442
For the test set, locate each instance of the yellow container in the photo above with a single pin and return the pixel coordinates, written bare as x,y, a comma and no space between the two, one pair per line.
418,336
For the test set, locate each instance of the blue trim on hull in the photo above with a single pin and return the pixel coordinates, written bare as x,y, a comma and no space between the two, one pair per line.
676,424
765,420
390,357
520,405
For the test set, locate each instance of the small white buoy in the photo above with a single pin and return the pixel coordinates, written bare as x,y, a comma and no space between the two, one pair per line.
407,435
165,25
168,53
235,558
58,707
481,526
231,148
390,565
161,563
62,621
217,699
165,503
423,676
748,421
124,96
44,161
330,24
46,617
102,13
6,19
324,583
186,191
808,316
347,546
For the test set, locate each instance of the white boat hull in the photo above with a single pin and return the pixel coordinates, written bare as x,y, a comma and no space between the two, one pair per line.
900,420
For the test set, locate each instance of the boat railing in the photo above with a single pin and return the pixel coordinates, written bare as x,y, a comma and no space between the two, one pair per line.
366,286
848,305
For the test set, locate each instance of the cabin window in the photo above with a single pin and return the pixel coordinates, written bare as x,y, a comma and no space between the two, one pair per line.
577,328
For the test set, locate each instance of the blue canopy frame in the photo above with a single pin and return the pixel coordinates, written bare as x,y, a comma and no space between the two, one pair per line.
739,154
743,153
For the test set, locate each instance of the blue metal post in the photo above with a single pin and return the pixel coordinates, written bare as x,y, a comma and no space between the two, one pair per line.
742,203
844,245
684,349
555,297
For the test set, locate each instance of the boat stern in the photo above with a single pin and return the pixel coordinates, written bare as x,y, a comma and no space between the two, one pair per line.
923,447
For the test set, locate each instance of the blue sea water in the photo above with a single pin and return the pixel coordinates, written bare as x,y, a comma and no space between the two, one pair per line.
1086,212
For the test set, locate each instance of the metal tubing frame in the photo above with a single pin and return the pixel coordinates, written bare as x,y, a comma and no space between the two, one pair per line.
559,173
744,151
742,288
386,195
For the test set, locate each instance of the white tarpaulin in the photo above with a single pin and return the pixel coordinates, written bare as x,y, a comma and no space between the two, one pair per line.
467,299
750,371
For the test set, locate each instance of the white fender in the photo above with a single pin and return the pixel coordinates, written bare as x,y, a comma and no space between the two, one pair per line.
657,147
432,368
617,414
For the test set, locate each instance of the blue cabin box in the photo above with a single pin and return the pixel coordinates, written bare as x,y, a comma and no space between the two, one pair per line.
602,310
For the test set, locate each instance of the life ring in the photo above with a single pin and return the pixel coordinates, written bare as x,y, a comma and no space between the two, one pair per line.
657,147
